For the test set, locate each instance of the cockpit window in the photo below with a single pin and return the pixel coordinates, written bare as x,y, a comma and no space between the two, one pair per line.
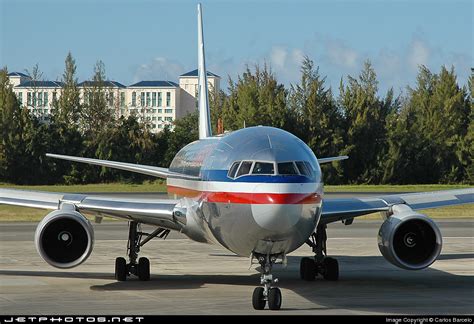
303,168
244,168
287,168
233,169
263,168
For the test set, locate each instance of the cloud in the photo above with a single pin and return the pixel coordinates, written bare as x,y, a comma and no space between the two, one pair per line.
418,53
278,57
340,54
160,68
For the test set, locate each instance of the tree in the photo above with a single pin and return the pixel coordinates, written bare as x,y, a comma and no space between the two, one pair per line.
318,120
68,108
364,117
95,114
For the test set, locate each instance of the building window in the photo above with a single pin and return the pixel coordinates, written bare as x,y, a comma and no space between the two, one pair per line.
122,99
55,96
154,111
134,99
160,111
153,99
160,118
34,99
154,119
160,101
168,99
169,119
148,99
111,99
45,99
40,99
160,126
142,99
20,98
168,111
28,98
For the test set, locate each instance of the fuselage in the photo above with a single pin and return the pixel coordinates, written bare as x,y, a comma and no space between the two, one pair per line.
257,189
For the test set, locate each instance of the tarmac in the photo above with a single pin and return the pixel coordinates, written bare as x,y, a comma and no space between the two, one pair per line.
199,279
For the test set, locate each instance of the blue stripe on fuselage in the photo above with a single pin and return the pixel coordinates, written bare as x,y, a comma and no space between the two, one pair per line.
221,175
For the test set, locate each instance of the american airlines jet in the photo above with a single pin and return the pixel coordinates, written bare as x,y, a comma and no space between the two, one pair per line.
257,192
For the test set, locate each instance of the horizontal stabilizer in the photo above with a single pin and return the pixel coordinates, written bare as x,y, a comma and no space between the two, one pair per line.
137,168
332,159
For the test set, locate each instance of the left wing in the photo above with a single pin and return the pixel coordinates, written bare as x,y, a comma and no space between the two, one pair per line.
160,212
346,208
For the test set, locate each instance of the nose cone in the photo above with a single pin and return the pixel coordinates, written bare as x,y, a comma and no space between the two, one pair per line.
277,218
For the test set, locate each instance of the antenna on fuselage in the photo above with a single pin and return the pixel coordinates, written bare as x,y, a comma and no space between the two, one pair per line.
203,95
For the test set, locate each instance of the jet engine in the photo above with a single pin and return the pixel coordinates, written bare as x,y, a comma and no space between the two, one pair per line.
64,238
409,240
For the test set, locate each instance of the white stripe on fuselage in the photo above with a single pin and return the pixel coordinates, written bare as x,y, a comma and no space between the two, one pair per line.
254,187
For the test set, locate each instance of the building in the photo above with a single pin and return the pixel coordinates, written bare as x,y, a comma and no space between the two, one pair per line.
155,103
38,96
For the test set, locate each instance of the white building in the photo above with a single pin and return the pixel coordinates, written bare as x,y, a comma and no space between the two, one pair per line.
155,103
38,96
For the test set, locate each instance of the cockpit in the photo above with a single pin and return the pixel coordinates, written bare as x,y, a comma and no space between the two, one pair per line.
289,168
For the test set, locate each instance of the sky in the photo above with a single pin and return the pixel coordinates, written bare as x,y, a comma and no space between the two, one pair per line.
157,40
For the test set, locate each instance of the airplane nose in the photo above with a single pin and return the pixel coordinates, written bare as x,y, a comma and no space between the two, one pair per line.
277,217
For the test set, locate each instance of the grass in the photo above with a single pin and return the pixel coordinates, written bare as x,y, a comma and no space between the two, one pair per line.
23,214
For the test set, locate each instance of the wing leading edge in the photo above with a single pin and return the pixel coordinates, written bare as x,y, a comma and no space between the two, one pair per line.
341,209
160,212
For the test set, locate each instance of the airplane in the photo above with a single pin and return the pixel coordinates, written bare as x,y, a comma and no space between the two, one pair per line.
257,192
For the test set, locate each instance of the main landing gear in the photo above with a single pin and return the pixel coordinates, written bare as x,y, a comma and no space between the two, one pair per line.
141,269
321,263
267,293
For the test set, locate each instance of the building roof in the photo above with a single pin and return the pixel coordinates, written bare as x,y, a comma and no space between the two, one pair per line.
107,83
40,84
153,84
19,74
194,73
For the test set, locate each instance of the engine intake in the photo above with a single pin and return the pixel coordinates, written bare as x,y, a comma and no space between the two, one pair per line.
64,238
409,240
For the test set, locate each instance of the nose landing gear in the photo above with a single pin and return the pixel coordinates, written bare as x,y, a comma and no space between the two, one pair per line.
321,263
267,293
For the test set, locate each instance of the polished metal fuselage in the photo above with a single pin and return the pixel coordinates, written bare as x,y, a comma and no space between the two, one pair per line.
267,214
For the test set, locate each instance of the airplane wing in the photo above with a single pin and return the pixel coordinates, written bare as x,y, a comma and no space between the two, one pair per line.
347,208
138,168
160,212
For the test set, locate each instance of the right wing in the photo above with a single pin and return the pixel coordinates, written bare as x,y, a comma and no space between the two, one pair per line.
160,212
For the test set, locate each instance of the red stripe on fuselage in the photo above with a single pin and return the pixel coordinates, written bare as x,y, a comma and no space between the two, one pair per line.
248,198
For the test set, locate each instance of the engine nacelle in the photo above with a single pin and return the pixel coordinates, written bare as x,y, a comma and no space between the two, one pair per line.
409,240
64,238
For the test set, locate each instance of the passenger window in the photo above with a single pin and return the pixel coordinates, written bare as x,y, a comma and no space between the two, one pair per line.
263,168
287,168
244,168
303,168
233,169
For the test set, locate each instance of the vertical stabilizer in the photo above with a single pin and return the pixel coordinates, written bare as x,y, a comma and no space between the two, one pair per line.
203,96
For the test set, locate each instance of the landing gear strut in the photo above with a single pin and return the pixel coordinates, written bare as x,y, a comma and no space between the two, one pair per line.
267,293
321,263
141,269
